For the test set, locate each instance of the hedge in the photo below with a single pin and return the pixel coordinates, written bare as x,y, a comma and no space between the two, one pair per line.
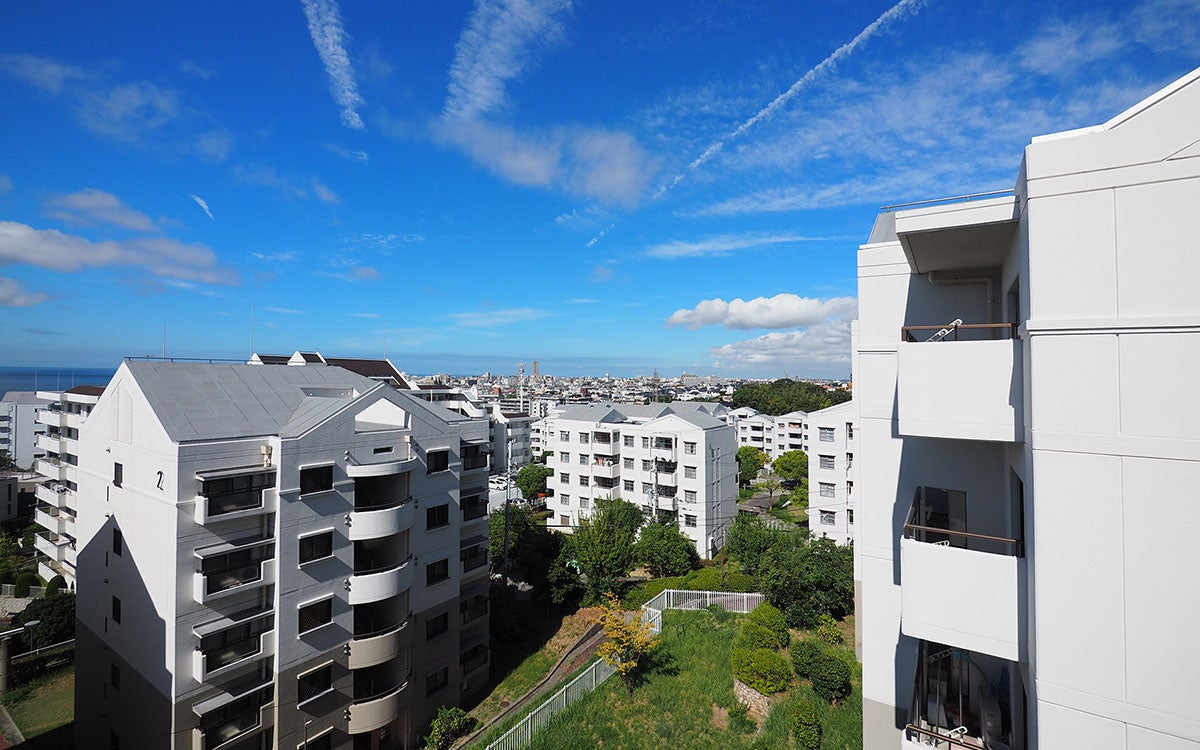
806,725
805,653
830,678
24,582
772,619
762,669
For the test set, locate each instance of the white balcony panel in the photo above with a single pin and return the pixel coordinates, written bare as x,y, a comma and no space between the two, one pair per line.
55,470
383,468
611,471
266,576
52,418
50,549
367,716
51,495
962,390
373,524
962,597
51,443
50,520
367,652
373,587
270,501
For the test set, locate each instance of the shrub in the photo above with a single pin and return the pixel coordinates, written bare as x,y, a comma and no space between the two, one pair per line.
24,581
52,589
830,678
773,620
715,579
806,725
805,654
739,719
827,631
798,615
449,724
762,669
6,575
753,635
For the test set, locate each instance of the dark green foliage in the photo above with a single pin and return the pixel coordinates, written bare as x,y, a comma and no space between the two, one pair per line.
450,723
531,480
750,460
665,551
739,719
805,654
784,395
604,544
6,575
532,548
53,588
762,669
806,725
755,635
830,678
56,616
566,585
806,581
705,579
827,631
772,619
24,582
791,465
749,540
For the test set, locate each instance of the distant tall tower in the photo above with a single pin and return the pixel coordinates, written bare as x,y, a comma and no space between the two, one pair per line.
535,373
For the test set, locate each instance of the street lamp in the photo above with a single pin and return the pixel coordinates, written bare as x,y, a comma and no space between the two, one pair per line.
29,626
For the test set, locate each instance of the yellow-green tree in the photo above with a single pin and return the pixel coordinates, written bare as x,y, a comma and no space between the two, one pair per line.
627,640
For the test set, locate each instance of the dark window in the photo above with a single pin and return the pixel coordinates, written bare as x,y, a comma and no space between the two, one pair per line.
114,741
314,683
437,625
438,515
315,615
437,680
116,610
236,493
114,676
117,542
437,571
437,461
316,547
118,474
324,742
384,449
316,479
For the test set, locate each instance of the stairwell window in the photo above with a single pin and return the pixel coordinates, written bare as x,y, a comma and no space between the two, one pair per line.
828,518
316,547
435,626
627,485
689,449
118,543
689,521
311,616
116,610
316,479
118,474
436,572
436,461
826,462
849,430
825,434
437,681
827,489
437,516
689,472
689,496
314,684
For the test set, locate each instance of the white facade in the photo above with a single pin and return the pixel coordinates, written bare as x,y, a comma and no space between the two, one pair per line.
831,472
19,427
1025,546
511,439
791,433
755,430
269,555
677,466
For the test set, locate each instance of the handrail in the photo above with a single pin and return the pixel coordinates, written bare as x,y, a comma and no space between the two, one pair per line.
382,631
382,693
966,534
967,198
906,331
388,505
383,568
937,737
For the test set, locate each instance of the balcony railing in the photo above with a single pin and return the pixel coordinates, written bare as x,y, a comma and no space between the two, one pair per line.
982,542
474,560
473,510
473,611
958,331
471,662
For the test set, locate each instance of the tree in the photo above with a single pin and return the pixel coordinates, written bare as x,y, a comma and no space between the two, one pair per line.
565,583
6,462
56,617
771,486
604,543
532,548
749,540
750,460
531,480
784,395
665,551
627,641
806,581
450,723
792,465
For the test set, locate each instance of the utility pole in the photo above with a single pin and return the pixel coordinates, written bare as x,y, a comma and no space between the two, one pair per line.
507,501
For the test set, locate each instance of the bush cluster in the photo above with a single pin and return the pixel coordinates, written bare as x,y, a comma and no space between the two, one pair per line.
762,669
773,621
830,678
806,725
753,635
805,654
23,584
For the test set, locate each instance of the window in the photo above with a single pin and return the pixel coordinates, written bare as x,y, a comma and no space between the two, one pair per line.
689,449
564,521
583,480
314,615
118,543
435,626
627,485
849,488
564,477
646,487
689,496
565,457
849,460
438,515
583,459
689,472
645,464
689,521
826,462
849,430
118,474
316,682
565,499
381,450
828,517
584,438
436,461
626,463
825,434
316,479
850,515
316,547
116,610
645,442
827,490
114,676
437,681
628,441
583,503
436,572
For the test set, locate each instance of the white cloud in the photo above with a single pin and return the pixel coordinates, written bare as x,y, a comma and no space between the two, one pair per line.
214,145
723,244
580,301
325,27
14,294
203,204
43,73
324,193
284,310
492,318
822,350
346,153
90,206
267,176
286,256
129,111
196,70
502,40
364,273
160,256
602,274
366,315
1061,46
6,183
780,311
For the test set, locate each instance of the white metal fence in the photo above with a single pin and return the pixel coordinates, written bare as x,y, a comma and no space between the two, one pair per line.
521,735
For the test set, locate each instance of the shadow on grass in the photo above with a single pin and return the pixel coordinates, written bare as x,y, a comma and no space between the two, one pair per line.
60,738
527,627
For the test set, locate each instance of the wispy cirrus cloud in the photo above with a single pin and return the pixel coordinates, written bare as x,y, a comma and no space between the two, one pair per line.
50,76
348,153
494,318
284,310
6,183
780,311
90,207
267,176
723,244
193,69
329,37
203,204
14,294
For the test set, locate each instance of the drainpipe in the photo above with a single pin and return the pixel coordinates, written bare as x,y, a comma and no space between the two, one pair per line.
986,280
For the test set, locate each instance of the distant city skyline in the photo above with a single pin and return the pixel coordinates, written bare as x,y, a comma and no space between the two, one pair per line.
468,186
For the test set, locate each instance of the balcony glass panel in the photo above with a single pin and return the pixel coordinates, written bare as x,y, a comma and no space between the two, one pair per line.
231,494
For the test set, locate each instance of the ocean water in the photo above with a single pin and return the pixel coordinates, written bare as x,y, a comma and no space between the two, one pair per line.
52,378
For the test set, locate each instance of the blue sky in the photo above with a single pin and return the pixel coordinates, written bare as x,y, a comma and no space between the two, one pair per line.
604,187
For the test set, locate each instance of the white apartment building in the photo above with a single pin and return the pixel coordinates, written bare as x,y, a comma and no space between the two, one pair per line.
754,429
275,557
831,472
63,415
19,428
791,433
511,439
675,461
1025,375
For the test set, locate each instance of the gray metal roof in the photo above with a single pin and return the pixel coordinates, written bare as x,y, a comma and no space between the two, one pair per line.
23,397
208,401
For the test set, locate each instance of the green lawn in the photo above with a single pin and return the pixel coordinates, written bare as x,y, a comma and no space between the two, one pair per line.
44,704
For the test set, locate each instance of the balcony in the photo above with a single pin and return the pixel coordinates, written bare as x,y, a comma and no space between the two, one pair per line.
50,443
376,521
55,469
384,464
378,710
369,649
52,417
234,568
50,518
377,584
234,505
606,468
474,560
54,495
50,545
474,508
228,717
960,389
473,609
208,665
474,658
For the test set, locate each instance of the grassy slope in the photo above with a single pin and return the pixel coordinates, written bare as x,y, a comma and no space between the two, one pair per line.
50,703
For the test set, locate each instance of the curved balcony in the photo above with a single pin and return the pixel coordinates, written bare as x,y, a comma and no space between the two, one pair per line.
375,648
380,520
380,583
369,714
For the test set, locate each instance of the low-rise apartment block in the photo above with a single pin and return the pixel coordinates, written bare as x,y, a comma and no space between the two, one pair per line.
20,428
831,473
